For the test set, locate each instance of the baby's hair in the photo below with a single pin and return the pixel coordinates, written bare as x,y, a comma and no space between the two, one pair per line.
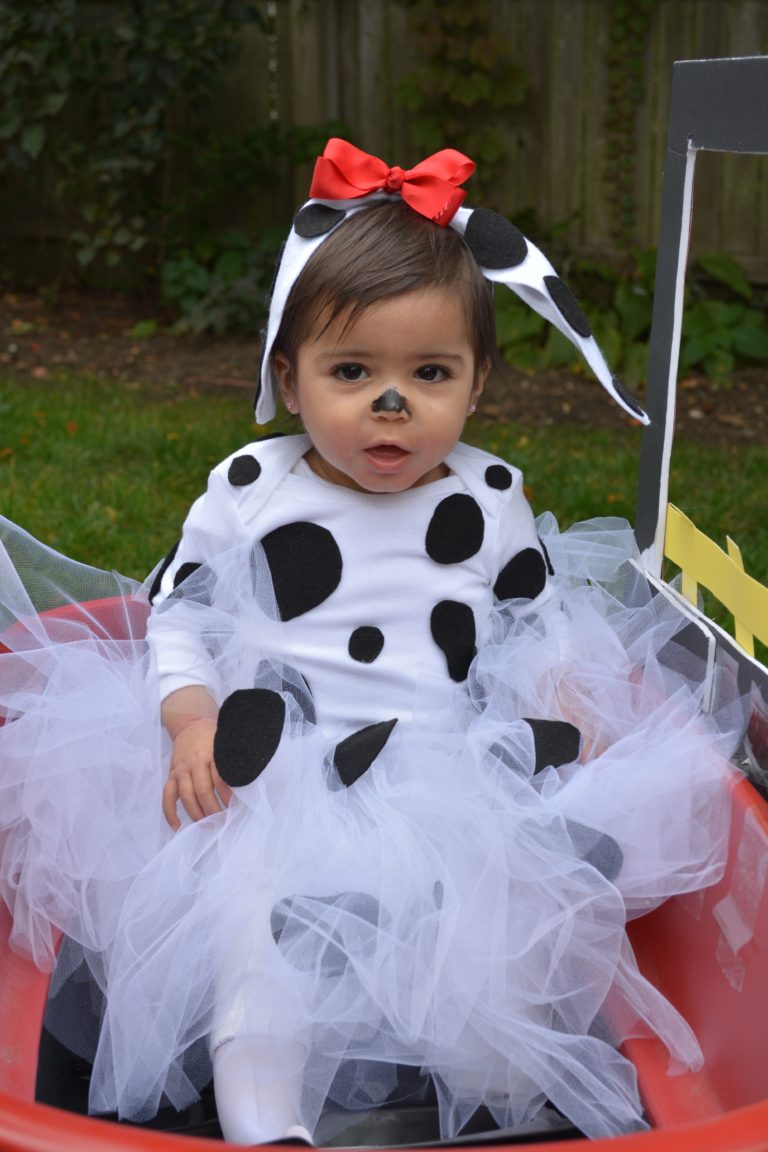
381,252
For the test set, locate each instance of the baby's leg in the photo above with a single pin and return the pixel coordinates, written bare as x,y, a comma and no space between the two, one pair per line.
258,1090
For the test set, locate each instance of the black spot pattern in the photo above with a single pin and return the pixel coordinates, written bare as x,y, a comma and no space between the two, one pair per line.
316,220
493,241
366,643
545,554
556,742
310,930
354,755
453,630
184,571
248,734
155,589
523,577
567,305
456,530
263,357
305,565
276,273
499,477
596,848
627,396
243,470
296,687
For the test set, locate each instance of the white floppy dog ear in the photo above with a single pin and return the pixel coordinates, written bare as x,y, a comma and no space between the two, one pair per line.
506,256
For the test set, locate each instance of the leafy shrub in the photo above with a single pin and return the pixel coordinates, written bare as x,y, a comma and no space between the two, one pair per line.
222,288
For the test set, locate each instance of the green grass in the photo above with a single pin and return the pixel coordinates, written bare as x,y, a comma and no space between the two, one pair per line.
106,472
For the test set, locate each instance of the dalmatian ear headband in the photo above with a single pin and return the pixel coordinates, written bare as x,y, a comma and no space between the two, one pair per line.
347,180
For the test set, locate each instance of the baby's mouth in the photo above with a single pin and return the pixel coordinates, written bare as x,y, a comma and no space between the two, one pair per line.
387,453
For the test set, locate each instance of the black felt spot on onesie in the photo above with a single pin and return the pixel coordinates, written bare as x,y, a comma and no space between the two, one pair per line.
456,530
596,848
556,742
567,305
493,241
243,470
366,643
355,755
155,589
454,632
296,687
499,477
523,577
248,734
316,220
310,930
184,572
547,561
305,565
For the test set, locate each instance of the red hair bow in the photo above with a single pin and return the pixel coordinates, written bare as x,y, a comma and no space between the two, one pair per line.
343,172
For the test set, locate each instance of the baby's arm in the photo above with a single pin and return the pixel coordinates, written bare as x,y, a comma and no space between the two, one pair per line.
189,714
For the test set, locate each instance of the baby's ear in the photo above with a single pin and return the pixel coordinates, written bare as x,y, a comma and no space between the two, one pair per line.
481,375
283,370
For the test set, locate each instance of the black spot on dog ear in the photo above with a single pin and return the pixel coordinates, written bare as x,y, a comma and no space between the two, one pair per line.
493,241
523,577
556,742
456,530
310,930
454,632
276,273
545,554
248,734
596,848
567,305
184,572
499,477
243,470
354,755
305,564
316,220
155,588
366,643
627,397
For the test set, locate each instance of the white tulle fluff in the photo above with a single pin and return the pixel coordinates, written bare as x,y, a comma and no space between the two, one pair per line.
441,913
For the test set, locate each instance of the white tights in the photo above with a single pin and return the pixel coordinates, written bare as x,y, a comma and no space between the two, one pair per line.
258,1090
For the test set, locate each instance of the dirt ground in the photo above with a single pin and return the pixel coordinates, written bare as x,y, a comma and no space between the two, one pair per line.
92,333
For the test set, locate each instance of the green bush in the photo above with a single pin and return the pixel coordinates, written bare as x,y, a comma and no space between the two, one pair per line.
109,106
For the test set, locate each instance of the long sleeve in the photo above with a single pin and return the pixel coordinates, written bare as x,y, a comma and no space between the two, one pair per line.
184,586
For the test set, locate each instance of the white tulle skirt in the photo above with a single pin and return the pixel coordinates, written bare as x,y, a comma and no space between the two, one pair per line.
454,911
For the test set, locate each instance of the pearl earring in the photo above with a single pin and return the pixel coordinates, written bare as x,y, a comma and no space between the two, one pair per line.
472,409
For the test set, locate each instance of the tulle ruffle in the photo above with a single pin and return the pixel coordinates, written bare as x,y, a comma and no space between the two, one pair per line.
459,909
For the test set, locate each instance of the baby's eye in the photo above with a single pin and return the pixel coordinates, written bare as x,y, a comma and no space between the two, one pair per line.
431,373
350,372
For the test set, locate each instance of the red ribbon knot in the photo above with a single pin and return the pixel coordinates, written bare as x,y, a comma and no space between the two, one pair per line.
344,172
395,178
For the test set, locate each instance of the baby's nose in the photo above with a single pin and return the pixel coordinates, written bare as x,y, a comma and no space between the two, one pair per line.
391,403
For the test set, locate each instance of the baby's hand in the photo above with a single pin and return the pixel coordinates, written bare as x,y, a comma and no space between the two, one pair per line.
192,777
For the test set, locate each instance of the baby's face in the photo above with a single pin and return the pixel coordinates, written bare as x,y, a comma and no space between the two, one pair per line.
415,348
